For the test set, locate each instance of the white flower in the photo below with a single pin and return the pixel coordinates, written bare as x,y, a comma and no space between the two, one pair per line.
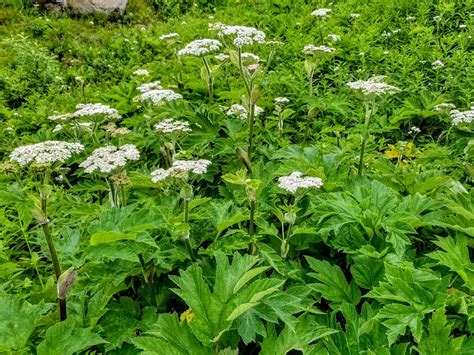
414,130
201,47
250,58
295,181
45,152
321,13
159,96
410,18
334,37
281,100
169,126
169,36
437,18
107,159
141,72
462,26
64,117
374,85
84,110
221,57
241,112
445,106
242,35
179,167
78,125
437,64
253,67
155,85
355,15
459,117
312,49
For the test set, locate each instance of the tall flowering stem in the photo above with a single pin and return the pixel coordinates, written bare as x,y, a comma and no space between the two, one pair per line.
370,89
187,196
296,184
209,78
47,153
251,102
365,136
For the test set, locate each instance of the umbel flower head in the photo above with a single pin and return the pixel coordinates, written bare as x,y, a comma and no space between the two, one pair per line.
181,168
242,35
459,117
141,72
295,181
314,50
159,96
281,100
154,85
445,106
373,86
240,111
201,47
87,110
170,126
169,36
324,13
45,152
107,159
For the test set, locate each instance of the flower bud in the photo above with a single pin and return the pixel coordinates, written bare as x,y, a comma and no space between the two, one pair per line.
65,282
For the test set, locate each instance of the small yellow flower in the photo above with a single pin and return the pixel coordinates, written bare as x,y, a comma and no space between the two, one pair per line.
187,316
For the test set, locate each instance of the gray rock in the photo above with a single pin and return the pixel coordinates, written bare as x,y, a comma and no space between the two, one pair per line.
92,6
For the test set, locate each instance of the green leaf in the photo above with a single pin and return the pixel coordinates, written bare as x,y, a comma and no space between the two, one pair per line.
170,336
214,312
306,333
455,256
367,271
332,285
249,325
67,339
108,237
18,320
438,340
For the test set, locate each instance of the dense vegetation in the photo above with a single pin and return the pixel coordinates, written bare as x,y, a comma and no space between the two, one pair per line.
300,185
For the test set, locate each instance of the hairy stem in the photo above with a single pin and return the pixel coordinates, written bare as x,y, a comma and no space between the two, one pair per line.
365,136
210,79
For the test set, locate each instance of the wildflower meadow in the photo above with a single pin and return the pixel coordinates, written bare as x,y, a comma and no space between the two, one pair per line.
223,177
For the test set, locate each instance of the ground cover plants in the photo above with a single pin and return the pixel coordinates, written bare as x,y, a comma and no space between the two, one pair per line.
240,177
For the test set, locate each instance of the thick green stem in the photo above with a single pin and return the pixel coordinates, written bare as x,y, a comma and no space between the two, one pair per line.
210,79
148,280
186,237
54,255
253,245
365,136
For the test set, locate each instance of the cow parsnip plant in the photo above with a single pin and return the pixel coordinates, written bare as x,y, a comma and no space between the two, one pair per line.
232,177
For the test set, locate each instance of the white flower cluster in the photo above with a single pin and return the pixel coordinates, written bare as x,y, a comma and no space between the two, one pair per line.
141,72
445,106
222,57
414,130
201,47
334,37
459,117
79,125
295,181
312,49
159,96
107,159
169,36
179,167
241,112
155,85
84,110
355,15
437,64
250,58
45,152
243,35
95,109
321,13
373,86
281,100
169,126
